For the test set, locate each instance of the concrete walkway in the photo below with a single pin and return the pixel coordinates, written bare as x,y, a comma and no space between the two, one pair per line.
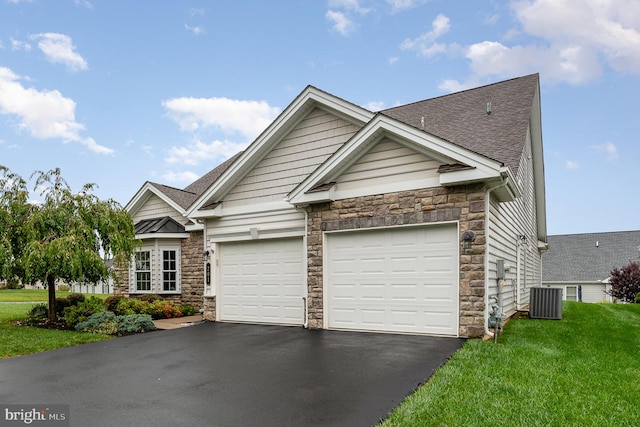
178,322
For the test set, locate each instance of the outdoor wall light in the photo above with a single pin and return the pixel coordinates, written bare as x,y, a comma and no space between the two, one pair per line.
467,239
205,256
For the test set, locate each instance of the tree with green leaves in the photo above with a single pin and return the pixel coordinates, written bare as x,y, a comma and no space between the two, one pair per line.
68,236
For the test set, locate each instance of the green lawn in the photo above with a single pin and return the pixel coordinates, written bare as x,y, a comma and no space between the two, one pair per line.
34,295
581,371
19,340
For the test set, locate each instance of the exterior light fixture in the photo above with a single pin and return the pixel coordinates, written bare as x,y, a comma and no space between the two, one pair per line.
467,239
205,256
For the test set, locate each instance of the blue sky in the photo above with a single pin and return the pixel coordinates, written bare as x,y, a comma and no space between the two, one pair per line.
122,92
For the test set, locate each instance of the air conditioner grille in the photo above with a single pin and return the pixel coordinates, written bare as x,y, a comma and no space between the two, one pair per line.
545,303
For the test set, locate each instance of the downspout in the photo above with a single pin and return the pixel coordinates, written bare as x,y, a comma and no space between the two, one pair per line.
487,227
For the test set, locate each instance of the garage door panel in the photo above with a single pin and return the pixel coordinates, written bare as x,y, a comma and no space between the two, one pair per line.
262,281
396,280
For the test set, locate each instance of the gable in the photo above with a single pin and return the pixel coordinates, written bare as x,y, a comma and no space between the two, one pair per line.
462,166
387,167
154,207
309,144
295,135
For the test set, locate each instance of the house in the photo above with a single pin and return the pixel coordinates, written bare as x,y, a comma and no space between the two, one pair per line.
337,217
581,264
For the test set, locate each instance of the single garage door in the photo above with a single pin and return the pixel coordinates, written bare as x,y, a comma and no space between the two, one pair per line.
262,281
401,279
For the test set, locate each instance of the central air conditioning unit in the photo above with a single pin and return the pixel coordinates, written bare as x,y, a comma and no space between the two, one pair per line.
545,303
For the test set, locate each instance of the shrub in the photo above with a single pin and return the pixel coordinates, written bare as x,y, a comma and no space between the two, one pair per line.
188,310
79,313
75,298
131,306
637,299
625,282
64,288
150,297
104,322
112,301
109,324
135,323
38,312
164,310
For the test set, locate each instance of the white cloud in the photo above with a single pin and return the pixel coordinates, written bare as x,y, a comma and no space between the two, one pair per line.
195,30
180,177
58,48
248,118
425,44
201,152
341,23
607,28
399,5
83,3
374,105
351,5
20,45
608,148
570,164
43,114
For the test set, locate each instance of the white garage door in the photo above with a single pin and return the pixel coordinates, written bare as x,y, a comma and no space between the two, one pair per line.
262,281
397,280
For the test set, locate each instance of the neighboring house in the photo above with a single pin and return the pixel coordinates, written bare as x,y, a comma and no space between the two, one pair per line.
581,264
336,217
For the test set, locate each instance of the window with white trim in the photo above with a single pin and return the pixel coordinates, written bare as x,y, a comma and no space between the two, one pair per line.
156,269
143,271
169,271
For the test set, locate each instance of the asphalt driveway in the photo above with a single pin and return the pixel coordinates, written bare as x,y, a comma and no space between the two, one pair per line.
220,374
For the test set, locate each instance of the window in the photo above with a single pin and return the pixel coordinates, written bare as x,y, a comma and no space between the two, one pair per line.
156,268
571,293
169,271
143,271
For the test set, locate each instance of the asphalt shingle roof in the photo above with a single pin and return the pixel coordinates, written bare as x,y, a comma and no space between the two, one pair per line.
190,193
461,118
588,257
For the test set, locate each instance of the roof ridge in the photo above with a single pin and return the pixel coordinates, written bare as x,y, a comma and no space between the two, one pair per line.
461,91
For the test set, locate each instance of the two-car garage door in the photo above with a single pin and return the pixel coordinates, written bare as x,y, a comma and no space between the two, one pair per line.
401,279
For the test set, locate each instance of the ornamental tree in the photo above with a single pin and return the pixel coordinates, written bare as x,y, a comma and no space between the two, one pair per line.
66,237
625,281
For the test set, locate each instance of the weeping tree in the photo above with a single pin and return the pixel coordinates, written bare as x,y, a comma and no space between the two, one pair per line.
14,210
69,235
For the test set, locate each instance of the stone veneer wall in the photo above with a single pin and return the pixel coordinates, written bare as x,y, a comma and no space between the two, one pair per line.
464,204
191,270
209,312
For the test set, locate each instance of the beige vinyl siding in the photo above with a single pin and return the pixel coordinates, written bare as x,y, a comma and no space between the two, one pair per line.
269,224
387,163
155,207
508,221
299,153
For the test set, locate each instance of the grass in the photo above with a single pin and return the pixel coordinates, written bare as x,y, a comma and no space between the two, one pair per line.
20,340
33,295
581,371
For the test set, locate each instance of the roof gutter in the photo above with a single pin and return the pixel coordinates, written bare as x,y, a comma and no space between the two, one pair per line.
487,227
